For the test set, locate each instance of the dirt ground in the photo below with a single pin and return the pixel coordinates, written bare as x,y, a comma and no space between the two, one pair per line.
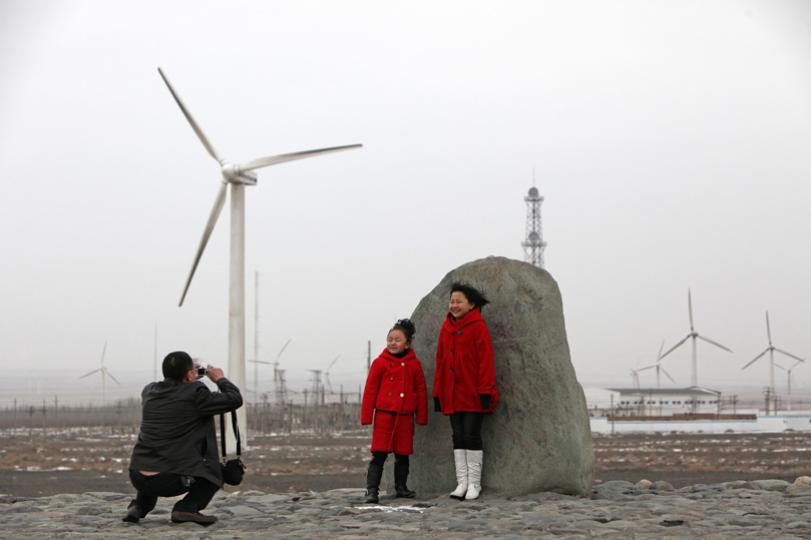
37,463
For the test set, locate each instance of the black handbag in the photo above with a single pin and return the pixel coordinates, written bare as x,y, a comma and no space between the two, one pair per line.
233,470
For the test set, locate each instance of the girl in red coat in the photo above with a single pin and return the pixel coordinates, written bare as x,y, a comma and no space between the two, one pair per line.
395,392
465,383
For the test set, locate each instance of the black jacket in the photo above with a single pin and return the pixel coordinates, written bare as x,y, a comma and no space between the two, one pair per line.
177,428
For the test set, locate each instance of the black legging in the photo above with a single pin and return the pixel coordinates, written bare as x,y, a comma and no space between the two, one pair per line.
379,458
467,430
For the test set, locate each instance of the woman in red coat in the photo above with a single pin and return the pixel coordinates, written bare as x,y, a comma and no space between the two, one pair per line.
395,393
465,383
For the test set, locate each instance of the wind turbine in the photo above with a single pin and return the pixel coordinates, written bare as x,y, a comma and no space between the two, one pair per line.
275,365
694,336
237,176
658,367
771,349
104,374
635,377
788,374
326,373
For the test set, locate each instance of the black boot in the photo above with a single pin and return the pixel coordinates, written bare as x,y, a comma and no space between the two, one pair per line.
373,476
400,477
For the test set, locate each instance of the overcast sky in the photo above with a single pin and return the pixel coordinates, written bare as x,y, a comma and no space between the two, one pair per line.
671,140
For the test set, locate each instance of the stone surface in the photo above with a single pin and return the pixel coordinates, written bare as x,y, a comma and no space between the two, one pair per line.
709,511
539,438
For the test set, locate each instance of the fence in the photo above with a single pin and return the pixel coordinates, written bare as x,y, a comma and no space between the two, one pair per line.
125,416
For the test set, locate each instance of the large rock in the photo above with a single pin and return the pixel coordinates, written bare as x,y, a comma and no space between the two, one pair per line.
539,438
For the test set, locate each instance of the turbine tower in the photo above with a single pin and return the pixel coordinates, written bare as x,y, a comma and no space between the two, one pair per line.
694,336
237,176
771,349
534,244
104,374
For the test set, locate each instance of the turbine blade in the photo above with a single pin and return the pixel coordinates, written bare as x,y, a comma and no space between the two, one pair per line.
113,378
286,343
212,220
647,367
662,346
708,340
190,118
768,329
103,350
668,376
674,347
282,158
690,308
91,373
260,362
332,364
755,359
781,351
779,366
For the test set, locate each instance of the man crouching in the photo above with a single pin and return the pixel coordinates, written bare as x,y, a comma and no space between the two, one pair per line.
176,451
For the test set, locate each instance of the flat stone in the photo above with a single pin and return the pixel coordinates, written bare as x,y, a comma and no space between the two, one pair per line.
770,485
243,511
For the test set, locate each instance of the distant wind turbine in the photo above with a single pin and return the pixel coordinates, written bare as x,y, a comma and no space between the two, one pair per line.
635,377
771,349
788,375
238,176
658,366
694,336
275,364
104,374
326,373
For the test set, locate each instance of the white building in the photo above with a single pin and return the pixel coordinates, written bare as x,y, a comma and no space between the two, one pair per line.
665,401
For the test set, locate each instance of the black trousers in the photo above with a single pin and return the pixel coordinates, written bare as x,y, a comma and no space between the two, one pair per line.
199,491
467,430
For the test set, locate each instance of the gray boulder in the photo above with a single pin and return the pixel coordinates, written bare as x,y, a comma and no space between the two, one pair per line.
539,438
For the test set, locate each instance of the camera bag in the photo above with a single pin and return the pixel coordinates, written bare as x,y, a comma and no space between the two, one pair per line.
233,470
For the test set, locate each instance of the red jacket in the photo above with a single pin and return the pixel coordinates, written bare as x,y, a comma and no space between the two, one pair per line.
395,385
464,365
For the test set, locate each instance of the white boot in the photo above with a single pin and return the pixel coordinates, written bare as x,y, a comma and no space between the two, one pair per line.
460,460
474,474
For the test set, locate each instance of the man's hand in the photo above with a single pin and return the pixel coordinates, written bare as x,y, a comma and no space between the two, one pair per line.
214,373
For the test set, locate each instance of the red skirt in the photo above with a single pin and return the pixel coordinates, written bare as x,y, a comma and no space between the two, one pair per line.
393,433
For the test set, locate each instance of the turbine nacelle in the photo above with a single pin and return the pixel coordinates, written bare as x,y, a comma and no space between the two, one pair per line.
235,175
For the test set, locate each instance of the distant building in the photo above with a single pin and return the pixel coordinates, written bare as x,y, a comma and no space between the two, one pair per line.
666,401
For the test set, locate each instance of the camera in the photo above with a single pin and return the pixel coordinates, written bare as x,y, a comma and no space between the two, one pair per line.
201,371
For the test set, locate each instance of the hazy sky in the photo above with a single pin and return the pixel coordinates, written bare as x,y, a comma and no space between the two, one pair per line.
672,141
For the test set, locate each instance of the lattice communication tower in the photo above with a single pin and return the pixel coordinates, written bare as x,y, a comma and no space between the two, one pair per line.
534,244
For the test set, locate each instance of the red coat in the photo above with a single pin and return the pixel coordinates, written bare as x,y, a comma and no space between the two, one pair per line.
464,365
395,385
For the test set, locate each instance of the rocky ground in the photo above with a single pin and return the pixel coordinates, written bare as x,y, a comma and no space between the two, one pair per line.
38,463
616,509
72,485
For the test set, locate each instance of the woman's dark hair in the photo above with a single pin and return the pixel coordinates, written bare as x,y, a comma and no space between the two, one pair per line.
406,327
473,295
176,365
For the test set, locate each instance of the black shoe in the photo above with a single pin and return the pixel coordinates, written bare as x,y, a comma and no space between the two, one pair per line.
403,491
400,477
372,496
179,516
133,515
